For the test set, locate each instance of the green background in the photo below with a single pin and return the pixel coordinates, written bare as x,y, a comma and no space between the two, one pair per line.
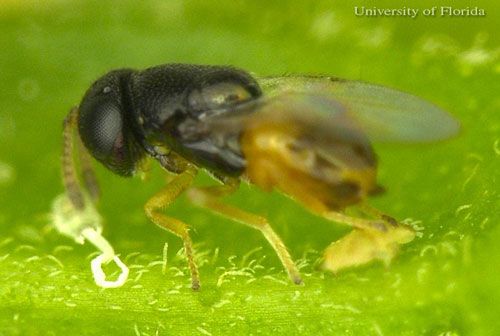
445,282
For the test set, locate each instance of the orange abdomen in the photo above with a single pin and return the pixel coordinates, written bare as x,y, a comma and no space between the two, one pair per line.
321,171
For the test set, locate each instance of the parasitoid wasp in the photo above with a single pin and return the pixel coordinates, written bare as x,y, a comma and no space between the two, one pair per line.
308,137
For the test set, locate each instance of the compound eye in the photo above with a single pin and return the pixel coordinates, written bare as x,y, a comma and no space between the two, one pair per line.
218,95
102,131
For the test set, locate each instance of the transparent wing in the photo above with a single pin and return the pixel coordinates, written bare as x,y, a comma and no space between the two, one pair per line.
293,109
384,114
317,123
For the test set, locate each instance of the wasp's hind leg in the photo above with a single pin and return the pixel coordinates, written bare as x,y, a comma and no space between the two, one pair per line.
374,212
371,239
209,197
163,199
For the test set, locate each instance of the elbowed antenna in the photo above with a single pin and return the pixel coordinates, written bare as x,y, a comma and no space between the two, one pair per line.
70,179
74,215
89,178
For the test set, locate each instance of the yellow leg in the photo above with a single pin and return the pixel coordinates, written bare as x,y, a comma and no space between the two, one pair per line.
374,212
208,197
162,200
358,223
382,224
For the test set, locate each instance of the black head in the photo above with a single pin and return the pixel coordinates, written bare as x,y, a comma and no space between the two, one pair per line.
104,123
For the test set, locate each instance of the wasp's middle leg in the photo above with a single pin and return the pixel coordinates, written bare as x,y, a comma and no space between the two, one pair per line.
163,199
209,197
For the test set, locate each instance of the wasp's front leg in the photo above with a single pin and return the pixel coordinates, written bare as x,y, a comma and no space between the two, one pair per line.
162,200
